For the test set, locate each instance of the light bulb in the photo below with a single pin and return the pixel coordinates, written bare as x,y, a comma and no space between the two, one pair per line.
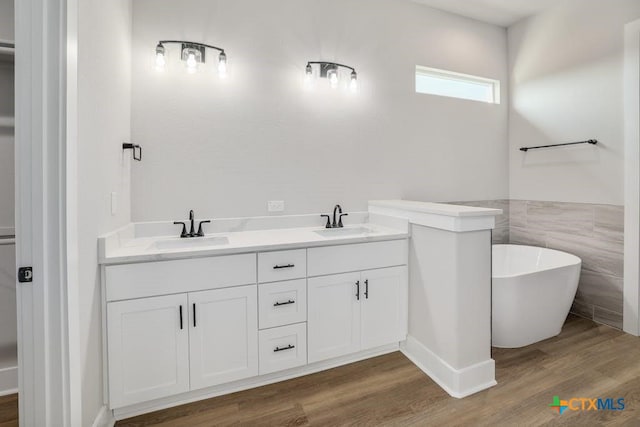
308,76
333,78
222,65
353,85
192,63
160,59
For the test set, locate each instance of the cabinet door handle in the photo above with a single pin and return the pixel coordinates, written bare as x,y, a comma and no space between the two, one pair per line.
289,347
366,288
358,290
181,326
194,314
277,304
277,267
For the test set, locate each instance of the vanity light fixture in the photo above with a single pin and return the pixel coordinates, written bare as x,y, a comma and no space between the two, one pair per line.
330,71
193,54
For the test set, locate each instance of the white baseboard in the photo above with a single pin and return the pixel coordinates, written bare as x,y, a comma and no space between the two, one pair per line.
458,383
104,418
193,396
8,381
8,392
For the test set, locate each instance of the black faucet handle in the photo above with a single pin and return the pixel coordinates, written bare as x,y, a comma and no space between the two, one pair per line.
328,220
200,232
191,214
340,219
183,234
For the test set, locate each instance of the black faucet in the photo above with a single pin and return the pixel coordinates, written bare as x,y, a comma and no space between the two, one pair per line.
337,222
192,230
336,208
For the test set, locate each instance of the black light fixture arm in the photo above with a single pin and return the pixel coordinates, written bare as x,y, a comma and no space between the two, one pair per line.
335,64
219,49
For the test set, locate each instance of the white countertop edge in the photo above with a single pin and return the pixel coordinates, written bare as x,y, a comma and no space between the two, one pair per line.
443,209
456,224
219,251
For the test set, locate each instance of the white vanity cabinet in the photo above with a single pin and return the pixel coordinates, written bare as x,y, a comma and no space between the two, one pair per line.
223,323
190,339
161,346
362,308
356,311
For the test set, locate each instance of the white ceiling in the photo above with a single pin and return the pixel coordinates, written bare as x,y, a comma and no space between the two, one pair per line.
498,12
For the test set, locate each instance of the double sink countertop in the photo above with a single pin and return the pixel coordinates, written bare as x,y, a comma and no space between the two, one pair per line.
124,246
158,241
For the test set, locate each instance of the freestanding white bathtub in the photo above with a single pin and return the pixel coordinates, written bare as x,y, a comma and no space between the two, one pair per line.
532,292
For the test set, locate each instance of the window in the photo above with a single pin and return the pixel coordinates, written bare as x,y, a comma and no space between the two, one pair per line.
456,85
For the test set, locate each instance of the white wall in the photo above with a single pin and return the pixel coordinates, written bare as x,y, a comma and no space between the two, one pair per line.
8,316
6,134
6,147
6,20
566,71
224,149
8,319
104,99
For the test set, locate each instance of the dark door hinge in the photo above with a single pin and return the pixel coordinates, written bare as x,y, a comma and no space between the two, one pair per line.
25,274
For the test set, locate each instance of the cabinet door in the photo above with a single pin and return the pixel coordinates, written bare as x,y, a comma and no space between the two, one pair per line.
148,341
383,312
223,335
333,316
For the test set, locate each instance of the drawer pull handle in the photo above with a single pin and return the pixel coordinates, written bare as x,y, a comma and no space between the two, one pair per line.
277,304
289,347
358,290
278,267
366,289
181,326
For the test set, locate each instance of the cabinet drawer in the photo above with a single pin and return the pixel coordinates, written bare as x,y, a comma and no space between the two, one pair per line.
130,281
282,265
362,256
283,348
282,303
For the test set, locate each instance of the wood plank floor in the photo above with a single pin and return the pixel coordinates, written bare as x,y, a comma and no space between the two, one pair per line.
585,360
9,411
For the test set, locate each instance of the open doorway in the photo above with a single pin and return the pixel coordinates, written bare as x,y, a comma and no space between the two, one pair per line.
8,315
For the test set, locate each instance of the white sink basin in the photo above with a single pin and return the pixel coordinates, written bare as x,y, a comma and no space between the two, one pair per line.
191,242
339,232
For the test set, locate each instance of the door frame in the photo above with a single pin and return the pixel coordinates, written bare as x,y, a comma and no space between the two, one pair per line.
631,320
47,331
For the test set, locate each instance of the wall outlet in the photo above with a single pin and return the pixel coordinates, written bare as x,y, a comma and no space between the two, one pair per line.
275,206
114,203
